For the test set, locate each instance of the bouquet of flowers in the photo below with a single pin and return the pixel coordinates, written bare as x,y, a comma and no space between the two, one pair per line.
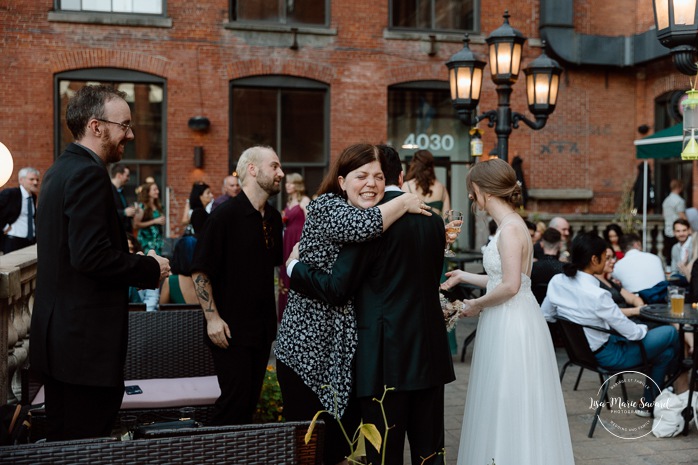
451,311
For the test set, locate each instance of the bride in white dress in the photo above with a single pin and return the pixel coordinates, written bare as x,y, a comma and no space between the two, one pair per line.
514,410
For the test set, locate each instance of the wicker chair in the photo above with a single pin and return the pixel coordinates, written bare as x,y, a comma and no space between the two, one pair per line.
242,445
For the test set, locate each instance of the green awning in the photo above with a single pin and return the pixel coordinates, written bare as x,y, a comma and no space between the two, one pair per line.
662,144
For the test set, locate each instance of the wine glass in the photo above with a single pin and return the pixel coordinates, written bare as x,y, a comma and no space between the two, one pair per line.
453,220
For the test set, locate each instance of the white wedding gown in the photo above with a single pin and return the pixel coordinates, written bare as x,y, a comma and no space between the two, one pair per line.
514,410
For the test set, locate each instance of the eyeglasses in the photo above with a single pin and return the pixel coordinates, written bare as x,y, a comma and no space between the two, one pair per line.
268,238
124,126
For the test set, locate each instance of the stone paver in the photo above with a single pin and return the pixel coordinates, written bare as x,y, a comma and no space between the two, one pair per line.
604,448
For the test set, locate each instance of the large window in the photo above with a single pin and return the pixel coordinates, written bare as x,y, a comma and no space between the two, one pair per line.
291,12
152,7
145,156
421,117
433,14
288,114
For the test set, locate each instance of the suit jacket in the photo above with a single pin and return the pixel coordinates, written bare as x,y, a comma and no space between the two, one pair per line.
10,205
395,283
79,323
126,221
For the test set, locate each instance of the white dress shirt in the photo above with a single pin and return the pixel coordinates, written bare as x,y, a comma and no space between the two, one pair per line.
581,300
639,270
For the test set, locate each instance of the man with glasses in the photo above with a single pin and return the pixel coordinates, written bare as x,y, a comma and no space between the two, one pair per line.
80,318
233,273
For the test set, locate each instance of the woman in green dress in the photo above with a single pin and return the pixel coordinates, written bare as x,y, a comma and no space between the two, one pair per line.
150,218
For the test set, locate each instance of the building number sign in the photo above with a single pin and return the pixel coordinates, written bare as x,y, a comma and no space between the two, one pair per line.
434,142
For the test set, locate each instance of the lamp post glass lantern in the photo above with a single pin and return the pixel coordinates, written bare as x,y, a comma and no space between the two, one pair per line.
677,29
505,49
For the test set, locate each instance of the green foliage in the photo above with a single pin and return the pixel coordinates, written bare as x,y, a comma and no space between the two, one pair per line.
365,432
270,407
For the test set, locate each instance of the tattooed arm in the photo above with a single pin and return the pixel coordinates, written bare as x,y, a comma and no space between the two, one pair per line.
217,329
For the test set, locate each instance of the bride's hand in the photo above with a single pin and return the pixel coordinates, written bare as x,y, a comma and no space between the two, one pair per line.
455,277
470,308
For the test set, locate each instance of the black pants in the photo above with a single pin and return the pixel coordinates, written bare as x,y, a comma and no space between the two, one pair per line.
419,415
75,411
301,404
12,243
240,372
668,244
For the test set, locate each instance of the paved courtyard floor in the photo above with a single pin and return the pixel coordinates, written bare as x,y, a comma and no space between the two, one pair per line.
604,448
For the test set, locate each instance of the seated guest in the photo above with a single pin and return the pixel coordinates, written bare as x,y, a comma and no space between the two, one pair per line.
178,288
612,234
576,296
548,265
628,302
681,251
637,270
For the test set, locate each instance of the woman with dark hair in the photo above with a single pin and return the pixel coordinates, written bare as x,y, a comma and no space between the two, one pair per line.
178,288
316,341
421,180
514,370
576,296
612,234
199,198
150,218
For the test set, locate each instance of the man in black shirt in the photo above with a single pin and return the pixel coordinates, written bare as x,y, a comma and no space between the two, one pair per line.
548,265
233,273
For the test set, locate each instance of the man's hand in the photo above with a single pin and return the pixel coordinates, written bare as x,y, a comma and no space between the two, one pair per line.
218,332
163,262
129,211
294,254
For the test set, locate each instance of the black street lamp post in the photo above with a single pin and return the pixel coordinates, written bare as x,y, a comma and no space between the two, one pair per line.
505,47
677,29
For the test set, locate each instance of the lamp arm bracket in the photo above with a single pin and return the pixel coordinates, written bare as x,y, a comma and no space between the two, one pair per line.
539,123
491,117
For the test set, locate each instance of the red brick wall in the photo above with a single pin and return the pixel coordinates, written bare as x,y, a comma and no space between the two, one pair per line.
586,144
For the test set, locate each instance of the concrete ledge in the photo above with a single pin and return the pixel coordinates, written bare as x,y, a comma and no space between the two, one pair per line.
117,19
561,194
275,27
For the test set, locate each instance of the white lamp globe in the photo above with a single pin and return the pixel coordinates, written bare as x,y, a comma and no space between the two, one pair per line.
6,164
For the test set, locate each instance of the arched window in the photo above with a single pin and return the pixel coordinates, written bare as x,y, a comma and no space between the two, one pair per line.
145,94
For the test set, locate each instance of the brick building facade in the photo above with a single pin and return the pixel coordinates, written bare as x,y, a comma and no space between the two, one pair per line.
310,87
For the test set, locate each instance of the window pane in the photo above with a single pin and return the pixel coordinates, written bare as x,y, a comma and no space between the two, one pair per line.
254,116
412,13
424,119
302,126
257,10
70,5
146,117
305,11
96,5
122,6
454,14
448,14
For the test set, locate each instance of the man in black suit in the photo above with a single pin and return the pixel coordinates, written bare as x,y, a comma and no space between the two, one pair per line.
402,336
79,324
17,208
120,174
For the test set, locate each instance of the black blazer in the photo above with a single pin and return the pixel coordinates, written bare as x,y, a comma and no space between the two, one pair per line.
79,323
126,221
395,284
10,205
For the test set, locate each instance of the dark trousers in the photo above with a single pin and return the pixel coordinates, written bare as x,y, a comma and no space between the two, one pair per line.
301,404
240,372
668,244
12,243
419,415
75,411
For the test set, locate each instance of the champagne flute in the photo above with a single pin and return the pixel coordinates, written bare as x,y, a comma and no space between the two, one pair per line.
453,220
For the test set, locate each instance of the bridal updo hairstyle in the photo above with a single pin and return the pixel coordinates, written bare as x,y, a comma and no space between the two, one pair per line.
497,178
584,247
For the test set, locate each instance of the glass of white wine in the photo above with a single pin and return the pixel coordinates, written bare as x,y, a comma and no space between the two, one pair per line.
453,220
